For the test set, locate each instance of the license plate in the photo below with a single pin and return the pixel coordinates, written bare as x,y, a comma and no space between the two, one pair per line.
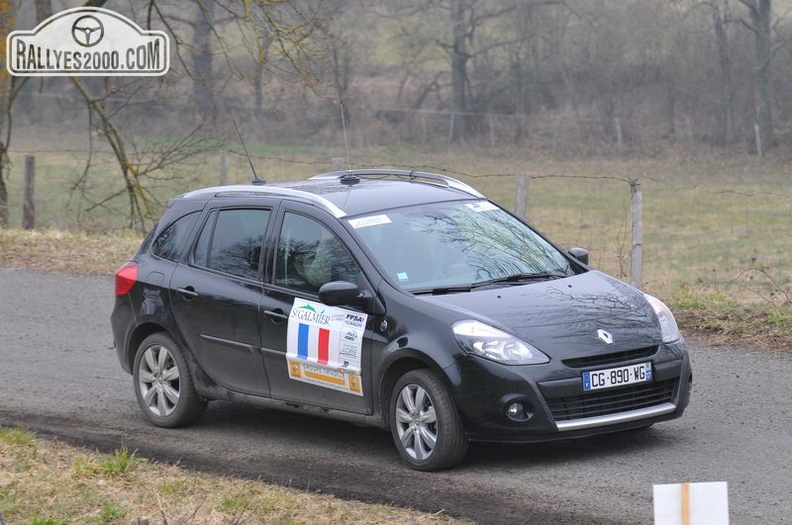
612,377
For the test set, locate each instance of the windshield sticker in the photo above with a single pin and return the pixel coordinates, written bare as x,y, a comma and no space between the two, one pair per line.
481,206
374,220
403,276
323,346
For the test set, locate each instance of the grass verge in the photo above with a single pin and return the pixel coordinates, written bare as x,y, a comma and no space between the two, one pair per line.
51,483
715,319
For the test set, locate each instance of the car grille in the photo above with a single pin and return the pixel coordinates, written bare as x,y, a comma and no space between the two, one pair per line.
606,359
612,401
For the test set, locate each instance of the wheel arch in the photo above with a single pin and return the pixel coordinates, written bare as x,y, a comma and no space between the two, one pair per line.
406,361
137,336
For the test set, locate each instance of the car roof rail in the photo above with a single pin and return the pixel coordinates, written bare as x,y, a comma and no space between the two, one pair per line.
434,178
259,190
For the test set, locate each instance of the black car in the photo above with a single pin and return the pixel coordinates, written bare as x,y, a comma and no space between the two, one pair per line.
398,299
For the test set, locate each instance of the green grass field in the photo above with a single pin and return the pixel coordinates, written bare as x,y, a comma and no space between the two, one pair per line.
723,222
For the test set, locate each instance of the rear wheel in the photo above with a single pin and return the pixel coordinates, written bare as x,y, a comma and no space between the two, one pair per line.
163,385
425,424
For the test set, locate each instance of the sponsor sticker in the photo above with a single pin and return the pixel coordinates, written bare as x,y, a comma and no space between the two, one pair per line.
323,346
365,222
87,41
481,206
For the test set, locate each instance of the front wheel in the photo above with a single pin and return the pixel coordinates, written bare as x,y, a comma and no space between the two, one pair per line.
163,386
424,423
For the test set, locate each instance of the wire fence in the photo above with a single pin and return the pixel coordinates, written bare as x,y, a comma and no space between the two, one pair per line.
581,130
723,227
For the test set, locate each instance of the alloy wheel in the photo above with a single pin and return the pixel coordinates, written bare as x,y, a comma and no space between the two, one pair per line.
159,381
416,422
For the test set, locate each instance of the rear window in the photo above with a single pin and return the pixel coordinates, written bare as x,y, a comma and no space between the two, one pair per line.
168,244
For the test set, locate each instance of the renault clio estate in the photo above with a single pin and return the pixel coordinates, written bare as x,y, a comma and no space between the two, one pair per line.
398,299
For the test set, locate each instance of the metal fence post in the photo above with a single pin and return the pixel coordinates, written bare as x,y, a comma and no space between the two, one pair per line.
636,251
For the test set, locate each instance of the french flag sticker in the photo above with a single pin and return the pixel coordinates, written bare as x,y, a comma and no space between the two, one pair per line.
313,343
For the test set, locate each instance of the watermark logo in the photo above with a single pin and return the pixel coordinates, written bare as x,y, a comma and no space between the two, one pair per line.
88,31
87,41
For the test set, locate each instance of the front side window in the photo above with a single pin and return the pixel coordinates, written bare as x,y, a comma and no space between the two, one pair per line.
230,242
455,244
310,255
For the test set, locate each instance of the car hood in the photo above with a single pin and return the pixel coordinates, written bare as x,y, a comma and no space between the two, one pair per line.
565,317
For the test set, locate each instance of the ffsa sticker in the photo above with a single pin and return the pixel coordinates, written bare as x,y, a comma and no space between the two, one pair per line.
324,345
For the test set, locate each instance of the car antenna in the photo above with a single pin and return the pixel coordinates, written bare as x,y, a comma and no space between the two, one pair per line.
256,180
346,141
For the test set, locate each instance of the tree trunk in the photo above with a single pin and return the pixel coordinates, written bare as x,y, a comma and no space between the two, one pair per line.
726,118
459,60
265,40
43,10
761,15
203,77
7,22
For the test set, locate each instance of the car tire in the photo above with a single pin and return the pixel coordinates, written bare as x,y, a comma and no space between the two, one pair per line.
425,424
163,384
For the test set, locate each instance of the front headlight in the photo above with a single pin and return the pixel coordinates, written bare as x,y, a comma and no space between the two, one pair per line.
668,327
496,345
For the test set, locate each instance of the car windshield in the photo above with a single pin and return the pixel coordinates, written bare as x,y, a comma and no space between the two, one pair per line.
457,246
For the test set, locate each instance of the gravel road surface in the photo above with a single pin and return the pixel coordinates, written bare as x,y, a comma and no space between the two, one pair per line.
59,376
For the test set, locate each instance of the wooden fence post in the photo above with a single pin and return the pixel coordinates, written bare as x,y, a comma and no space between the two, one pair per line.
619,136
636,251
337,164
29,205
521,200
492,130
223,167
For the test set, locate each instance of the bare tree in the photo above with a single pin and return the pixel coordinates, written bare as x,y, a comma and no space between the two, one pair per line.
287,49
761,14
720,17
7,22
202,70
461,36
43,9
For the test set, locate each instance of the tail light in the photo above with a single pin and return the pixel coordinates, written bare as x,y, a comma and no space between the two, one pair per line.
125,278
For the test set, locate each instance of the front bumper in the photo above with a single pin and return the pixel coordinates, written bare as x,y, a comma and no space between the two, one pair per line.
555,405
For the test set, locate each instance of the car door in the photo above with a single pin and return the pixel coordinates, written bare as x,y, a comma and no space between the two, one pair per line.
314,353
216,295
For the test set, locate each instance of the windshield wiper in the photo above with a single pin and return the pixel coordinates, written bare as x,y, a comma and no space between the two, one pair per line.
522,277
442,290
509,279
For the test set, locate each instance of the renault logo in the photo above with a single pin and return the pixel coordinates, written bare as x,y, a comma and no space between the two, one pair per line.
605,336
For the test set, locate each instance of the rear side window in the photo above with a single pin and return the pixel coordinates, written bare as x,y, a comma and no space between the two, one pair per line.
230,242
168,244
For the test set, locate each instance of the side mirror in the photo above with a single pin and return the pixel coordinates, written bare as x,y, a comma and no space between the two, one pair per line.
340,293
581,254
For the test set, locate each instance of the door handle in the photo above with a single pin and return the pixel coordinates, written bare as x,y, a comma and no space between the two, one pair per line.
188,293
276,315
